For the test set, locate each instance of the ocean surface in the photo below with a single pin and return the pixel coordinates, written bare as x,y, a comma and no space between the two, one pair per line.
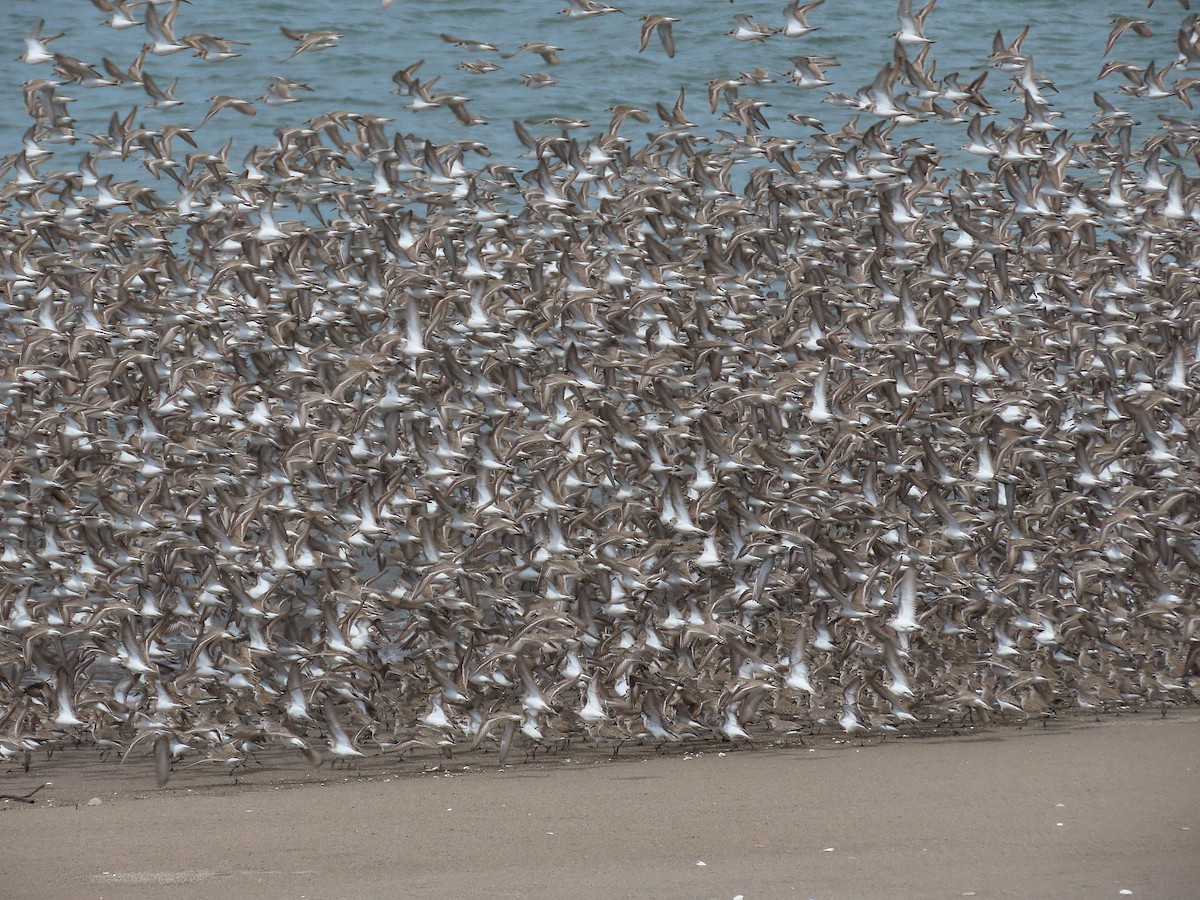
601,66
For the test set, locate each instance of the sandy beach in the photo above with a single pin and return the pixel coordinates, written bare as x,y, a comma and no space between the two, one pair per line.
1077,809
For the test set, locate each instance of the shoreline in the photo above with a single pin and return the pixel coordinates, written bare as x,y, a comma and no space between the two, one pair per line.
275,767
931,816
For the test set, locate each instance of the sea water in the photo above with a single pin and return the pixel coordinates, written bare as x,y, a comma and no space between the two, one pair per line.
601,66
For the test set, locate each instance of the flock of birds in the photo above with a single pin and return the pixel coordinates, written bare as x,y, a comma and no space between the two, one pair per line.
365,445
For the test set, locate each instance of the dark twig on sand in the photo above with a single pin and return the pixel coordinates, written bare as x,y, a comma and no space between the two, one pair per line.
24,798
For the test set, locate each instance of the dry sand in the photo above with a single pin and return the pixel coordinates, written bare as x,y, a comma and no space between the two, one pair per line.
1078,809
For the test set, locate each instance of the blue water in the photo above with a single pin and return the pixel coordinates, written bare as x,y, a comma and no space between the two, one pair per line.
600,63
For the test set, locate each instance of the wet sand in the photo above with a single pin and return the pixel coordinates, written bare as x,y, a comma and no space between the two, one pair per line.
1077,809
